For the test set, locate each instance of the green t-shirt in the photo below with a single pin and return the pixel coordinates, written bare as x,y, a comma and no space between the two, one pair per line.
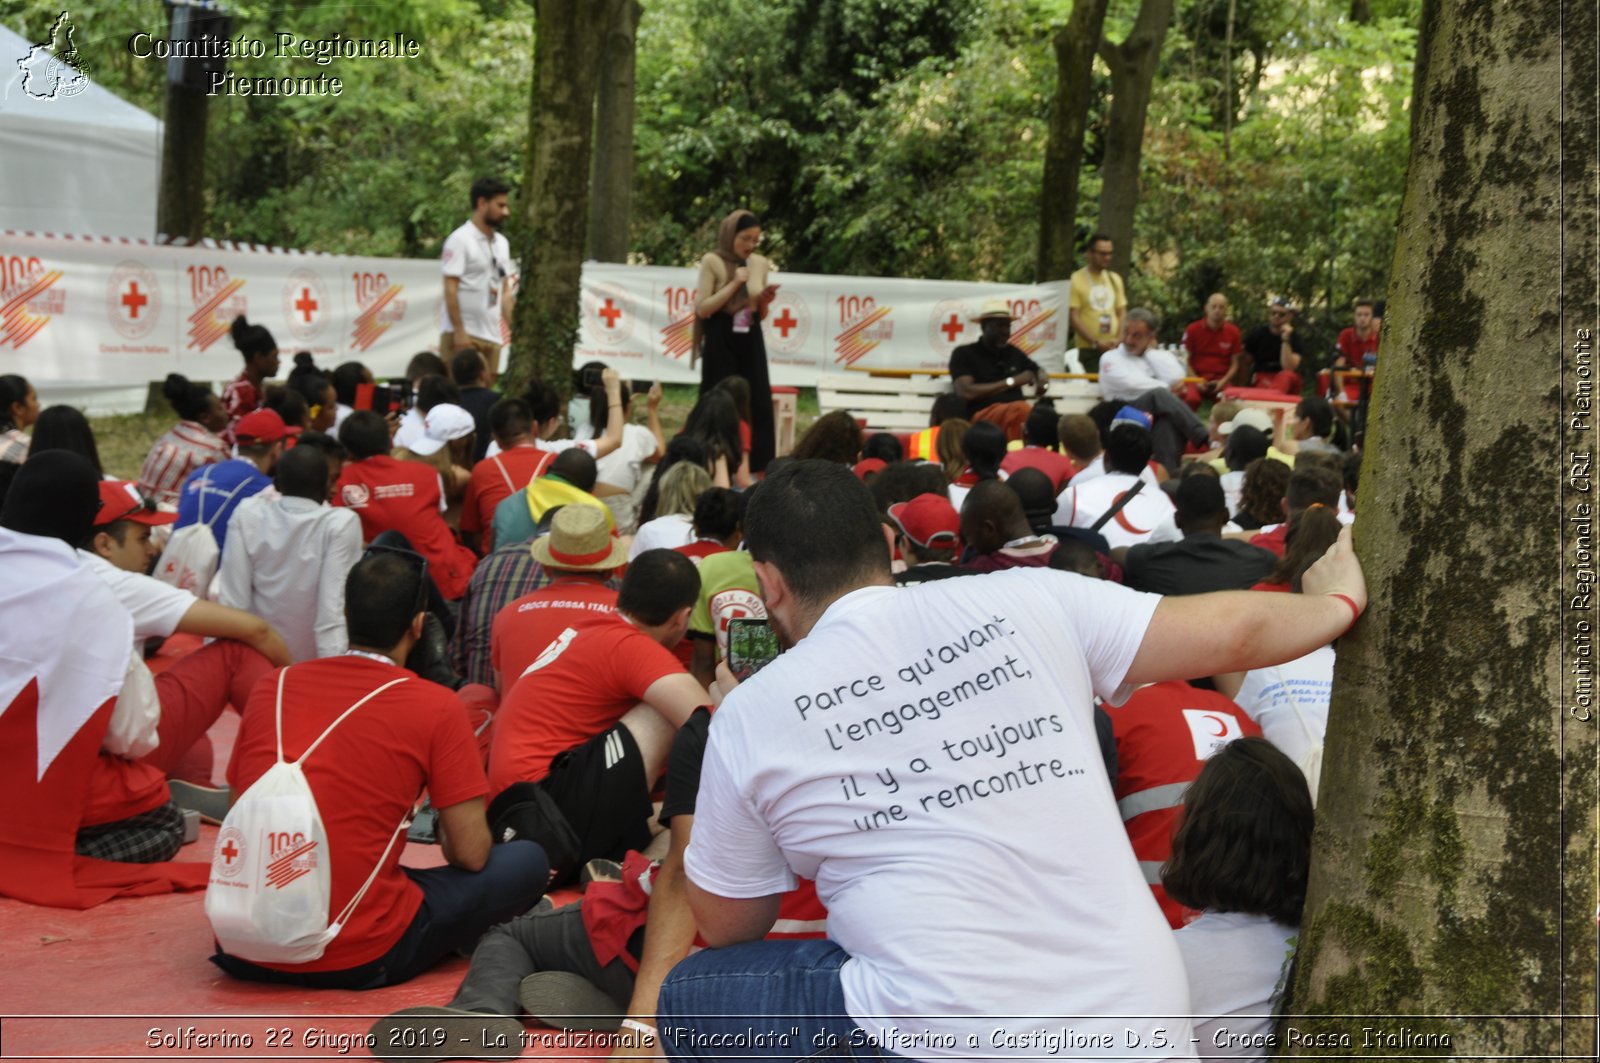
727,590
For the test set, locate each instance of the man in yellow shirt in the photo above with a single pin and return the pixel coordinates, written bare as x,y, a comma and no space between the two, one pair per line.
1098,303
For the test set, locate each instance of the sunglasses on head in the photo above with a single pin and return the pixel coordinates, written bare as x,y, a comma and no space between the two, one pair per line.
414,559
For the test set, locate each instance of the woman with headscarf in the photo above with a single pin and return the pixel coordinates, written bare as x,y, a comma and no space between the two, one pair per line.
733,296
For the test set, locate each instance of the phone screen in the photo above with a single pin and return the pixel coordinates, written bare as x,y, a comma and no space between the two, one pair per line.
641,387
752,644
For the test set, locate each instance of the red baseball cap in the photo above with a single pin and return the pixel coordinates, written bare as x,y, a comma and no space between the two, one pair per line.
262,426
867,466
927,519
122,500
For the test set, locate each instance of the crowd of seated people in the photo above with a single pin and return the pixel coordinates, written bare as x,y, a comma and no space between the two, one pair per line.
542,633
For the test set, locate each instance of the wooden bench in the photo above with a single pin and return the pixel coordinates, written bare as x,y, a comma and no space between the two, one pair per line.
898,400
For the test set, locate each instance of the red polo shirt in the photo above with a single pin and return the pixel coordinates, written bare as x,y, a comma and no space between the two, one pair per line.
1211,350
524,628
403,496
496,479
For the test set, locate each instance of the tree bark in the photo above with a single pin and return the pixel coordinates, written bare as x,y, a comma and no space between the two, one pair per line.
181,203
612,208
568,41
1063,156
1133,74
1361,11
1453,871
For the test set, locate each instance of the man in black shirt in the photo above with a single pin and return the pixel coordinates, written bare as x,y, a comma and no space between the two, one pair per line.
1202,560
991,373
1275,349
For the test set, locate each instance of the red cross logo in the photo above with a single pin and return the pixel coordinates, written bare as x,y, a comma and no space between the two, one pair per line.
134,299
229,851
952,328
305,304
785,322
610,313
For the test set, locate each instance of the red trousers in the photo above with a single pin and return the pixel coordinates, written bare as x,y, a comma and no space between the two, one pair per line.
193,693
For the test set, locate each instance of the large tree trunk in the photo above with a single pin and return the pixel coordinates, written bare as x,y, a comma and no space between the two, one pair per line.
1453,871
612,206
1133,76
1063,154
568,41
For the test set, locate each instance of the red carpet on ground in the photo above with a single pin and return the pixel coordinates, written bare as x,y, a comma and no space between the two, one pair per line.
131,979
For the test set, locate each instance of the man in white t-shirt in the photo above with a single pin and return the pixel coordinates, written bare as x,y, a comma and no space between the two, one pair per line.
477,279
1127,459
164,722
924,750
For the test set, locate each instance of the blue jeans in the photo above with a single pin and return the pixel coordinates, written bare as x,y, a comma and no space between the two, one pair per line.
457,907
761,1000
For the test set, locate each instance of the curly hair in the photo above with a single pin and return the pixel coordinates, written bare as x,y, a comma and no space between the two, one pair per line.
1261,496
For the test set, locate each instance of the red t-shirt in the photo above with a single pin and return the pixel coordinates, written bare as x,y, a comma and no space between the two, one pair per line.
496,479
119,788
587,679
1211,351
365,777
1276,540
1355,349
525,627
1058,467
1164,734
695,551
403,496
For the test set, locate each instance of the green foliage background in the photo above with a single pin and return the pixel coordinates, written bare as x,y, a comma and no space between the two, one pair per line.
879,137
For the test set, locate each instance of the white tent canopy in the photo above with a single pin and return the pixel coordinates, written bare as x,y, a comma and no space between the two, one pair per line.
86,164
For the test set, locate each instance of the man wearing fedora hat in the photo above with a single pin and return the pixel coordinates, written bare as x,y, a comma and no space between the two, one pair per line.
591,718
991,373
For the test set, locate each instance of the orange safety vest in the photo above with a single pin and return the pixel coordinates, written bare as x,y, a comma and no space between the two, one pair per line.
920,447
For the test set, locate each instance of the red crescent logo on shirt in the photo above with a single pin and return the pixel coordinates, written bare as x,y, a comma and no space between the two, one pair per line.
1122,518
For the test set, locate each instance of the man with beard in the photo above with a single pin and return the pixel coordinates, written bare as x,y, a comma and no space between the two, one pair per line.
991,373
857,758
477,279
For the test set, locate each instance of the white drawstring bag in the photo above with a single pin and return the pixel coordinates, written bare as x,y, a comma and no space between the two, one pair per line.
270,886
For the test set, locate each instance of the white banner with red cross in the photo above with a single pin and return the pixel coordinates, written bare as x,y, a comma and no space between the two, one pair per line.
92,321
640,320
82,317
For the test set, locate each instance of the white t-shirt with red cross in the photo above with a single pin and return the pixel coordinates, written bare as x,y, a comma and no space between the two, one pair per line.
926,750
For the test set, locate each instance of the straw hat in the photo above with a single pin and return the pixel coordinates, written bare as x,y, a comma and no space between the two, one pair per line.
992,308
580,541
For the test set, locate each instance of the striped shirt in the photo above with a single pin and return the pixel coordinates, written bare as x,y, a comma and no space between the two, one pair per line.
185,448
500,579
14,446
239,398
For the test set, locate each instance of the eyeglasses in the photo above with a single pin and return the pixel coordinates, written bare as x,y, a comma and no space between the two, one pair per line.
414,559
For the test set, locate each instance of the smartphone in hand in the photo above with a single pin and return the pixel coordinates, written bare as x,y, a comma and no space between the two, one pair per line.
752,645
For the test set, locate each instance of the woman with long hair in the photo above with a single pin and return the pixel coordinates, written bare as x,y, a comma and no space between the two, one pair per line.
832,437
714,421
673,525
680,448
983,448
948,447
1290,700
19,408
1242,855
196,439
1261,494
732,298
66,428
619,472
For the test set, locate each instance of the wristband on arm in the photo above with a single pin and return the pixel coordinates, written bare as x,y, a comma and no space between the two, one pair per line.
1355,612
